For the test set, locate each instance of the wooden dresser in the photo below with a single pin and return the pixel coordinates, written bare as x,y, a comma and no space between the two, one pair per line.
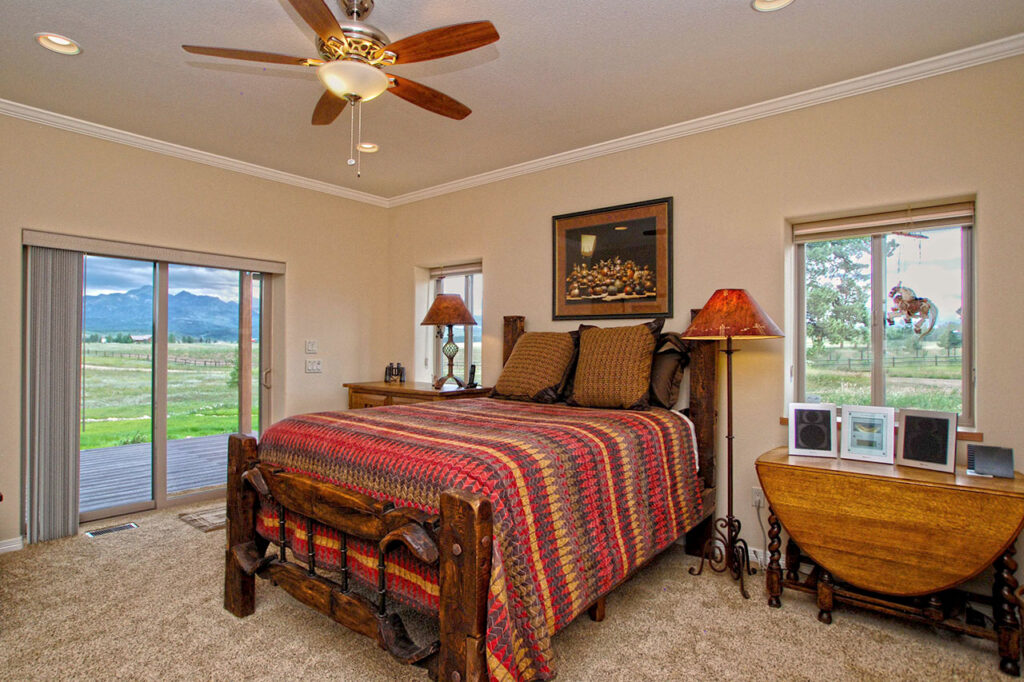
376,393
897,540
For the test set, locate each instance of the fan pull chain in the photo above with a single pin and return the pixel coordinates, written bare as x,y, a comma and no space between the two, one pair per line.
359,147
352,134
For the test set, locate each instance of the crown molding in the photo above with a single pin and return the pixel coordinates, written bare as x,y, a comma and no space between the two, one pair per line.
995,50
76,125
925,68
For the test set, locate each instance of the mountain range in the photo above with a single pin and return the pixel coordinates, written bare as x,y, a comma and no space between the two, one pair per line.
188,314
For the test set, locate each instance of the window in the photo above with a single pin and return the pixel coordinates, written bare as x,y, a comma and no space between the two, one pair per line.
467,281
174,355
886,307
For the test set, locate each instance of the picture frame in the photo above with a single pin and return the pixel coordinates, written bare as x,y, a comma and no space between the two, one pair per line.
927,440
613,262
868,433
812,430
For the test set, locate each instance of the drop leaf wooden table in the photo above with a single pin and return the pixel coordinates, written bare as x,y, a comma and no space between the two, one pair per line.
897,540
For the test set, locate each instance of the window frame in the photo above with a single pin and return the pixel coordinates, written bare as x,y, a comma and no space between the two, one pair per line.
878,227
437,275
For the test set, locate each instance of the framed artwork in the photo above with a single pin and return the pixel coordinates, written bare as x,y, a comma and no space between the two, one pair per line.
812,429
927,440
868,434
613,262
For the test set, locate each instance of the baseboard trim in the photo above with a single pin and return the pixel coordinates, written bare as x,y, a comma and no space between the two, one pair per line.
12,545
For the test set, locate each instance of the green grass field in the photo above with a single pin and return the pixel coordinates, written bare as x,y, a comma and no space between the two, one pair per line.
116,393
916,380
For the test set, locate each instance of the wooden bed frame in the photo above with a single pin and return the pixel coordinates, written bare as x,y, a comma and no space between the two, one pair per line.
458,540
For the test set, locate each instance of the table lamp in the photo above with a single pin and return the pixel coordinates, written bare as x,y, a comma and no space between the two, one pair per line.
448,309
730,313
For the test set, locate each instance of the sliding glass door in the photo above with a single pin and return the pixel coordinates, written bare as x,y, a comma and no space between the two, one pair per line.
171,366
116,458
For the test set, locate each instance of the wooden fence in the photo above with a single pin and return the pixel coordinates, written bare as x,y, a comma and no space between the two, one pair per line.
192,362
893,361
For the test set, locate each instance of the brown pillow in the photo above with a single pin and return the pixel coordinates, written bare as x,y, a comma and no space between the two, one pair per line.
536,368
614,366
670,359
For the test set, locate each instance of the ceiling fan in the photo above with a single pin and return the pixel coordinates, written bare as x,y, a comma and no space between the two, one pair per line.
354,54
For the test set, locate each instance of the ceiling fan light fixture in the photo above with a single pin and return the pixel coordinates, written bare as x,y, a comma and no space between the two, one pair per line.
58,43
769,5
348,78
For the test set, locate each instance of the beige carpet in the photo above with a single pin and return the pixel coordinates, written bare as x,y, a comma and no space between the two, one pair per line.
146,604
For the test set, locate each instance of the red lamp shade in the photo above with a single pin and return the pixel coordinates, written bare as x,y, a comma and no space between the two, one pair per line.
448,309
732,313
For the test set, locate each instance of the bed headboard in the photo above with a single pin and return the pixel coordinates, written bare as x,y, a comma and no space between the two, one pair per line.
703,389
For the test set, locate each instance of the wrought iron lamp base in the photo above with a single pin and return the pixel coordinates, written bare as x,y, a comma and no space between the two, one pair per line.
726,551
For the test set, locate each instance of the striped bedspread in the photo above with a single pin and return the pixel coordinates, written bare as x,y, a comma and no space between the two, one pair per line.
581,497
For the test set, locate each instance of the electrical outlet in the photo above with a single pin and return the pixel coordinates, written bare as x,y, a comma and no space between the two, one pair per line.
314,366
312,347
756,497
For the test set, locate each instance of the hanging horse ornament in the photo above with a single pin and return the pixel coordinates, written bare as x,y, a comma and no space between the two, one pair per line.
907,304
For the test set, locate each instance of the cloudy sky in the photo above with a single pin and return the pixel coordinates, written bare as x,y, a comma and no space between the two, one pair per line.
931,267
113,275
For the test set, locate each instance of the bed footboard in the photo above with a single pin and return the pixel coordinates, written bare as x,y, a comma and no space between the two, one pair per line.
458,541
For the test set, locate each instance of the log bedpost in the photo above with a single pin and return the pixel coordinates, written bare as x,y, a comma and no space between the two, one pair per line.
515,325
239,588
703,389
464,575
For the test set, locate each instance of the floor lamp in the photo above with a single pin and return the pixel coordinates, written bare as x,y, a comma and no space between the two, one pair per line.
729,313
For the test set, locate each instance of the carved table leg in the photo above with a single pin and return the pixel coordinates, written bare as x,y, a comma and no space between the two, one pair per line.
825,597
1006,612
773,576
792,561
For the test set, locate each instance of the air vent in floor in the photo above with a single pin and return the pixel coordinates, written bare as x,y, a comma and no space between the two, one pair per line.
111,529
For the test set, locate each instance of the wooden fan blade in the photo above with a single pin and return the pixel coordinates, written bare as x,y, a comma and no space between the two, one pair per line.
328,108
443,42
319,18
250,55
428,98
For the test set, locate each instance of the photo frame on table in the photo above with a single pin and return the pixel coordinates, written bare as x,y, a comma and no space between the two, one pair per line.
868,433
613,262
812,429
927,440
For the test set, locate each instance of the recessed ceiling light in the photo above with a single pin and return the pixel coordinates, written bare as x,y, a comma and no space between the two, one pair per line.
621,227
769,5
58,43
368,147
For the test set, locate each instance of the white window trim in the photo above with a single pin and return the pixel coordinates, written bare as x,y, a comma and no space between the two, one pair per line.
436,275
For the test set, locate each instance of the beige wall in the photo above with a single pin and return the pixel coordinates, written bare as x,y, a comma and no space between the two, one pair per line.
64,182
950,136
947,137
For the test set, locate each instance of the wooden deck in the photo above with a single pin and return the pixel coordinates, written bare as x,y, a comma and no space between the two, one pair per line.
123,474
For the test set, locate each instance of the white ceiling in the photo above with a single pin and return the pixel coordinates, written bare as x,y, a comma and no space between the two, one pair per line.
565,75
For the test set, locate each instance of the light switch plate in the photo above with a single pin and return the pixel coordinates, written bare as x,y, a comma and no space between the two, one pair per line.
314,366
312,347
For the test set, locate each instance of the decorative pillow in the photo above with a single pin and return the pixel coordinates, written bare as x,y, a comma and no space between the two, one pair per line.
536,368
614,366
670,359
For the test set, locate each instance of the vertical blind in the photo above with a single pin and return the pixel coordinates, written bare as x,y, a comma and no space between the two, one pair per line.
53,351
